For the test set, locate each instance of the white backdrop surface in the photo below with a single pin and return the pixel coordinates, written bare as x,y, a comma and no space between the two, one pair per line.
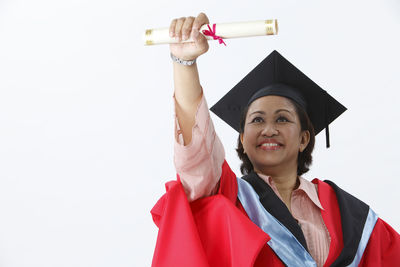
86,122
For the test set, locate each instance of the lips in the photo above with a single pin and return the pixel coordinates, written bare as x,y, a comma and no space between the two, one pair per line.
270,144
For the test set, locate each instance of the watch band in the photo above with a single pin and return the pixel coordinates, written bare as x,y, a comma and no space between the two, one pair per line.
183,62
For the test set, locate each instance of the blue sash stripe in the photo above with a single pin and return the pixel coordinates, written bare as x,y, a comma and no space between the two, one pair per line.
367,231
282,242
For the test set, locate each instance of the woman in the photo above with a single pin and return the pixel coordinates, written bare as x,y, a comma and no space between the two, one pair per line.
271,216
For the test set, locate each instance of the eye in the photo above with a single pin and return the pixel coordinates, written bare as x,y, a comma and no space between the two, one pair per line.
257,120
282,119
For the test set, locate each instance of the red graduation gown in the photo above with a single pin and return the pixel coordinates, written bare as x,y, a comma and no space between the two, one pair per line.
216,231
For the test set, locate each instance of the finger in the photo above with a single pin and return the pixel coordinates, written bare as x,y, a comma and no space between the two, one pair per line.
187,27
178,28
172,28
200,20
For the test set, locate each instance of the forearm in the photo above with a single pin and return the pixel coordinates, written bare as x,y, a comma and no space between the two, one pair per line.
187,95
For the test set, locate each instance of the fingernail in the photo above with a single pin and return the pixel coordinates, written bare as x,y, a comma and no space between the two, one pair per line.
171,34
184,37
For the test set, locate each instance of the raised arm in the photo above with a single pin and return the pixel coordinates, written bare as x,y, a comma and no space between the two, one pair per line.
186,78
199,154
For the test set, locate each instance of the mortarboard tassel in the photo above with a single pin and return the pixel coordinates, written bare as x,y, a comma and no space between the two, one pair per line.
326,120
327,136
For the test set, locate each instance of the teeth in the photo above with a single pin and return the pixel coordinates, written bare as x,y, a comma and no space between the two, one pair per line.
269,144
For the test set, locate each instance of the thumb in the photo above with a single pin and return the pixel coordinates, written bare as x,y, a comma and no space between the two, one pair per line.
199,38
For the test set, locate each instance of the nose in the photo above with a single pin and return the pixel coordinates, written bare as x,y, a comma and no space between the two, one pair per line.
269,130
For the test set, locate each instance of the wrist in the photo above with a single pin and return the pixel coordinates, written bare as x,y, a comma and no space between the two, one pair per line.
182,61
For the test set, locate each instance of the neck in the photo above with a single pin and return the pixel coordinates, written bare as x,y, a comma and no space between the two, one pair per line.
285,181
285,186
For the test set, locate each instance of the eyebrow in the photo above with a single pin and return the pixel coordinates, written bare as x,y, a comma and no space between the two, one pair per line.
258,111
282,109
263,113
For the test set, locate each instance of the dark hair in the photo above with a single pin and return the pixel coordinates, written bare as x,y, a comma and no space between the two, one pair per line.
304,158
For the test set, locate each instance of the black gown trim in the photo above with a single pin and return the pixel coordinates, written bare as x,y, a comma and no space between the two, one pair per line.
353,213
274,205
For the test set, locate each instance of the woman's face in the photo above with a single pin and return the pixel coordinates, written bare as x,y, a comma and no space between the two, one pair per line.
272,136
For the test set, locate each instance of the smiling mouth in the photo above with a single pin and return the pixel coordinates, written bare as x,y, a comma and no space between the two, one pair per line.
270,146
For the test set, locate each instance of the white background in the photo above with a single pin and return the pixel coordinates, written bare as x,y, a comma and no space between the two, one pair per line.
86,122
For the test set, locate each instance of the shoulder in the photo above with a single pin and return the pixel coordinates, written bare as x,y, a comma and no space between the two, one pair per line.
343,197
357,220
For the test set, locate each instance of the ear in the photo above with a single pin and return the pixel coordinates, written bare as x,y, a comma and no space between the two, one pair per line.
241,140
304,140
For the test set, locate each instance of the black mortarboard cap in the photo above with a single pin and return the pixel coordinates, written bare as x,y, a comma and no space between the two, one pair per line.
277,76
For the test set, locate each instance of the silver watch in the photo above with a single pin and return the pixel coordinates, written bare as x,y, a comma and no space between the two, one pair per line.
183,62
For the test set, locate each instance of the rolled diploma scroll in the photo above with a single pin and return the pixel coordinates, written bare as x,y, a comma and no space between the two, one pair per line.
224,30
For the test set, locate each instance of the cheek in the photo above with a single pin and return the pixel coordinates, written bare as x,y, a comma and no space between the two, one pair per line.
293,136
249,135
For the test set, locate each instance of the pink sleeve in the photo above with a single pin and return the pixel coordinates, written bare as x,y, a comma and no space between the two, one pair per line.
199,164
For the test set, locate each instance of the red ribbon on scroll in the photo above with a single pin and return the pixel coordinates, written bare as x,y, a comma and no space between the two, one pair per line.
212,33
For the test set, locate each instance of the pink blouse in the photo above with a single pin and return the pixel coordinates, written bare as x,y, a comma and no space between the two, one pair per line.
199,167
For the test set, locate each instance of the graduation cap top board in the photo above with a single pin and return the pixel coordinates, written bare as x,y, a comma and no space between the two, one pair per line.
277,76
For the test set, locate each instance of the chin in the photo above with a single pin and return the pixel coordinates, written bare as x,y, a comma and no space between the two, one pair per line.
270,163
